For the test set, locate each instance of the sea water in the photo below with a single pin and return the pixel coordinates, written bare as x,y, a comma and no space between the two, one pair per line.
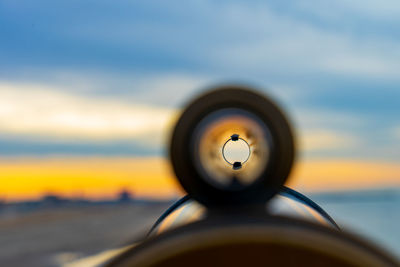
374,215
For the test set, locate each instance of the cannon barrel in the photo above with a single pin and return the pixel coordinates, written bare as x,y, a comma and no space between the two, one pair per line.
232,151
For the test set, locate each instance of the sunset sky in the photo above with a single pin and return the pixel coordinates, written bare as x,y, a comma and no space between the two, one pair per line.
89,90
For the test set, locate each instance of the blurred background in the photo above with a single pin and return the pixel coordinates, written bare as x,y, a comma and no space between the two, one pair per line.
89,91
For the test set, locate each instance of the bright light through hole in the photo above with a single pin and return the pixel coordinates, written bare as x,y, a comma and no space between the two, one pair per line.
236,151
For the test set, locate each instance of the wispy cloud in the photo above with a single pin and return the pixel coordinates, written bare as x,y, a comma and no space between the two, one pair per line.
50,114
321,130
298,46
328,140
310,118
45,112
386,11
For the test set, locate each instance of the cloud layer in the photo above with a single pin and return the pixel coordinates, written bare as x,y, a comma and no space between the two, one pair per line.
101,74
34,110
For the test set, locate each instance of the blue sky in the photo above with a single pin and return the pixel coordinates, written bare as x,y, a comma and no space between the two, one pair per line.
107,77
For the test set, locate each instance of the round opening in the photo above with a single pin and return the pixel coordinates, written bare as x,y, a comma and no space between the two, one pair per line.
236,151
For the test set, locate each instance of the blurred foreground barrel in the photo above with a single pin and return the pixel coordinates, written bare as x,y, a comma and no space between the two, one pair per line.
232,150
254,241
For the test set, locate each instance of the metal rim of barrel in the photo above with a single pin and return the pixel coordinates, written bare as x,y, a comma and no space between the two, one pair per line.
275,173
329,244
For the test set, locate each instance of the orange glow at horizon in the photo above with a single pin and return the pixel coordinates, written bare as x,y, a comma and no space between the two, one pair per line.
325,175
93,178
97,178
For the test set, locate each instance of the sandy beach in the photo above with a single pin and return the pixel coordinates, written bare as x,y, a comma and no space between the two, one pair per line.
51,237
